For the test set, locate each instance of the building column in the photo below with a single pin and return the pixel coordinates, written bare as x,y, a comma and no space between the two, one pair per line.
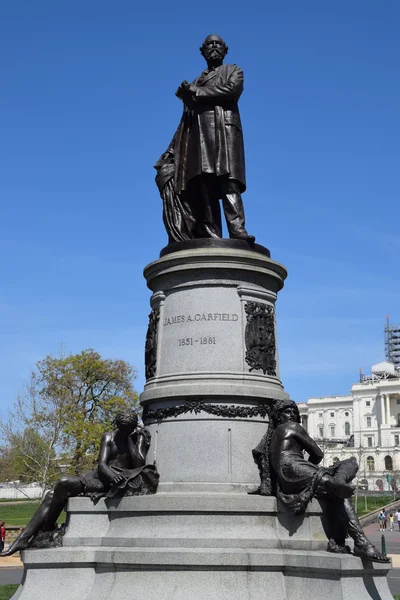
387,409
383,409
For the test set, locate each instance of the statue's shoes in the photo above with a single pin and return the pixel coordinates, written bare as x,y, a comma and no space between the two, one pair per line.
255,492
336,548
371,553
260,491
243,235
16,547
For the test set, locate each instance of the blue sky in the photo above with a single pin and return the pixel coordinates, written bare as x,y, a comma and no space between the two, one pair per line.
86,107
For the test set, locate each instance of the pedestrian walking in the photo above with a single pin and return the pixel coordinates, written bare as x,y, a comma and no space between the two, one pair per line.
398,518
381,519
391,521
2,535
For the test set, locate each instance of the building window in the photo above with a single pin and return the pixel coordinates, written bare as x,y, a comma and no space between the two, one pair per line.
321,432
369,422
320,415
332,414
332,431
370,463
347,429
388,463
346,414
368,403
398,400
396,440
369,442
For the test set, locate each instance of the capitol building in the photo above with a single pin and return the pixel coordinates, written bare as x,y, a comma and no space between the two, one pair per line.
364,424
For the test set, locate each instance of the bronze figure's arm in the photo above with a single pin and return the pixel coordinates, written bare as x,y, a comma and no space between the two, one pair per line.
309,445
137,450
104,457
231,89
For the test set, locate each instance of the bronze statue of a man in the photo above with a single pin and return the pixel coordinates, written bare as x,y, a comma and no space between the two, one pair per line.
121,471
205,160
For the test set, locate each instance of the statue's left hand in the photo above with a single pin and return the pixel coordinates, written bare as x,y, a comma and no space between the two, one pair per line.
118,479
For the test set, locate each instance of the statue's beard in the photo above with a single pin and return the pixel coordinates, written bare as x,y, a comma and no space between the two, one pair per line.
213,55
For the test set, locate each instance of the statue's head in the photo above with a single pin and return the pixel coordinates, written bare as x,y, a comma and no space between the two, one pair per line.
283,411
126,420
214,49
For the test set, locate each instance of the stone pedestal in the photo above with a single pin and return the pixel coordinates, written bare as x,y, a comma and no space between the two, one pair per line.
175,546
211,361
212,372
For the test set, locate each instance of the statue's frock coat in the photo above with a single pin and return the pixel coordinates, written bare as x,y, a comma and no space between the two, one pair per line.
209,139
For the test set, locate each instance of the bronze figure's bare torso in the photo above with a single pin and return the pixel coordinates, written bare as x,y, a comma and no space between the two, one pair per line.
296,480
121,471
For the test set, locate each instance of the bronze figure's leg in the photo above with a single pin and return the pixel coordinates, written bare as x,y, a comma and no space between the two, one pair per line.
234,210
205,203
66,487
45,518
362,546
344,521
341,489
339,483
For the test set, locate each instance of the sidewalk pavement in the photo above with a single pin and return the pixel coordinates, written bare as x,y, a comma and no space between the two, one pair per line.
11,561
392,540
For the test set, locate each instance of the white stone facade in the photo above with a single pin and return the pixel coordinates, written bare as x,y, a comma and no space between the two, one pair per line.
364,424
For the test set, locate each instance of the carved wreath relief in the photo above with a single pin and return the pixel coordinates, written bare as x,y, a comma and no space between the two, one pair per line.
150,351
198,406
260,337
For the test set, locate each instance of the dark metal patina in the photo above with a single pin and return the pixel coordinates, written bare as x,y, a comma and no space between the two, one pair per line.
121,471
204,162
286,473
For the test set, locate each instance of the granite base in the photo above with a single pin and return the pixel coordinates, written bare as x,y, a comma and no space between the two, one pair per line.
175,546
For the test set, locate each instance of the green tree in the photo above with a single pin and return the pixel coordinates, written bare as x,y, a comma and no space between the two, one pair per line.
31,435
7,469
70,401
91,390
28,459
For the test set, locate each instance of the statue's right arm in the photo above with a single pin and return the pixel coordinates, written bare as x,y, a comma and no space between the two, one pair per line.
309,445
225,90
104,456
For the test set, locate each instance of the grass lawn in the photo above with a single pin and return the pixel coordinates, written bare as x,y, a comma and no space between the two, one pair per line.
20,500
373,503
15,515
6,591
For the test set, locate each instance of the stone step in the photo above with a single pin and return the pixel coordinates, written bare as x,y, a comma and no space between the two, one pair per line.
262,558
194,542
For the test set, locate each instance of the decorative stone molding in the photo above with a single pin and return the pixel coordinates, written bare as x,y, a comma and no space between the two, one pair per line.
150,352
197,406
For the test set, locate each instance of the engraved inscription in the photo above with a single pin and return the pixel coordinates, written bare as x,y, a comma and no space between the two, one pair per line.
198,317
201,341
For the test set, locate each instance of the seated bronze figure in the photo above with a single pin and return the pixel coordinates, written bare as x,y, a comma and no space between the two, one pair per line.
295,480
121,471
